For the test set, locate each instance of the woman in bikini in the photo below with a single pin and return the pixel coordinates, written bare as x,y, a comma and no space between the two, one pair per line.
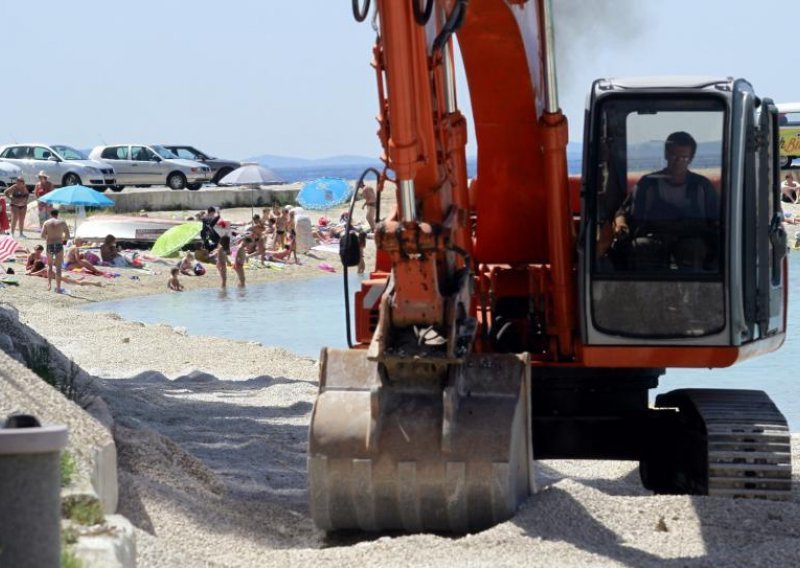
75,260
18,196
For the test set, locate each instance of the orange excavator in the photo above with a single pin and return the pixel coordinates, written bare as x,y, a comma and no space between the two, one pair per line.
525,315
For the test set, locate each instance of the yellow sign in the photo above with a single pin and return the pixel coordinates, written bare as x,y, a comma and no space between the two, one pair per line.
790,141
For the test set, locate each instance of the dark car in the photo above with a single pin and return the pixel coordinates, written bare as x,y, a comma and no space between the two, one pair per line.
219,167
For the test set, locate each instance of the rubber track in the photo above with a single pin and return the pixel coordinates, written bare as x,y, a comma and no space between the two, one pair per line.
749,444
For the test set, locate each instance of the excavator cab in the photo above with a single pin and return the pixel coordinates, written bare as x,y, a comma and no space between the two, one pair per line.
682,245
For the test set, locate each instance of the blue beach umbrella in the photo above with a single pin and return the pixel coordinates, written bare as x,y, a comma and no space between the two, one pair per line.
77,195
324,193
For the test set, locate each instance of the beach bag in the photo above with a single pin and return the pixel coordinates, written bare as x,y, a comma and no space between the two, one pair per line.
199,269
349,249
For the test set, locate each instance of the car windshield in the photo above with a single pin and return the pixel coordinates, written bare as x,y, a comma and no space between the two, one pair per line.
69,153
163,152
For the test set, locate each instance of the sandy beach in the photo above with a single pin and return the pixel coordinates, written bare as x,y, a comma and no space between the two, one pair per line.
211,438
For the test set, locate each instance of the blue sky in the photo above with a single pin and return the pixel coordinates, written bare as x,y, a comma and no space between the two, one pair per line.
247,77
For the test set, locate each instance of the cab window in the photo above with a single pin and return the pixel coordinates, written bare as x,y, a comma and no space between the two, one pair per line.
659,190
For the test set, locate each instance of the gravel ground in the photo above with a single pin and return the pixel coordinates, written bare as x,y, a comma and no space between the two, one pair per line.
211,435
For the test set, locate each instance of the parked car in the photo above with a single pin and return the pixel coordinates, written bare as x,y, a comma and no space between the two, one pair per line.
63,165
219,167
8,174
145,165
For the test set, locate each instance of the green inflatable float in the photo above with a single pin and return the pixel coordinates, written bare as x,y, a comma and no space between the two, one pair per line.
176,238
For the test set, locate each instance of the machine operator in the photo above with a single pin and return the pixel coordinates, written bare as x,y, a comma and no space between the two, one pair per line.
670,220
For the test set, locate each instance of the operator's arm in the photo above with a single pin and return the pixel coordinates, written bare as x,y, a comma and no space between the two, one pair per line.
622,215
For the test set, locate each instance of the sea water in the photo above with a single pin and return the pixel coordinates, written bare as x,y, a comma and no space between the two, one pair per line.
305,315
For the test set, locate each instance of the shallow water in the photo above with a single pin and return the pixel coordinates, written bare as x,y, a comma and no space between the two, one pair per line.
299,315
305,315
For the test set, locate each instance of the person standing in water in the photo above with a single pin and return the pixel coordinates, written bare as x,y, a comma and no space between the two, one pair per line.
222,253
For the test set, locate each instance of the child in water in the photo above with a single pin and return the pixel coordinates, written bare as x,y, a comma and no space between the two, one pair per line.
173,283
241,258
222,252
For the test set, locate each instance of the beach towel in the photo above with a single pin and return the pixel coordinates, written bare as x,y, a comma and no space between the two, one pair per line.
332,248
8,246
3,215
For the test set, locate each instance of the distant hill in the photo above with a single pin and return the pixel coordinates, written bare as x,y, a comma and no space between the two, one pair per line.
273,161
349,166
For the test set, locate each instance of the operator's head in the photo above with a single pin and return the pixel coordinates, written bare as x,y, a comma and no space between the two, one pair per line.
679,150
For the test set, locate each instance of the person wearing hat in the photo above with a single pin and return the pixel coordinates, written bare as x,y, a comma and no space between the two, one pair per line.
18,193
43,187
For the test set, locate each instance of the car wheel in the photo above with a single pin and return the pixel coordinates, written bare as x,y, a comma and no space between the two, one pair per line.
221,174
194,186
785,161
117,188
71,179
176,180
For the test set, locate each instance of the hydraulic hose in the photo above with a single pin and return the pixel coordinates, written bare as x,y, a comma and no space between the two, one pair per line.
348,226
422,16
360,12
453,23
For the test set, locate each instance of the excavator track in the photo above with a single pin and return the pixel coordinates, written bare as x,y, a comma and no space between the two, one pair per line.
420,452
747,441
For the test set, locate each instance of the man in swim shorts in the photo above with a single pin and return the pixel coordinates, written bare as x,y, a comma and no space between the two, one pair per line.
56,233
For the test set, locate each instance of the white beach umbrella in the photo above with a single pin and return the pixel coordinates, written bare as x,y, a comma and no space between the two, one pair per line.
252,175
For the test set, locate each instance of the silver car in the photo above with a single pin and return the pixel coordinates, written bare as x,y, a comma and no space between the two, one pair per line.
8,174
62,164
148,164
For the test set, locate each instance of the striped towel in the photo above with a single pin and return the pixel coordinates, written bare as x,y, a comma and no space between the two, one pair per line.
8,246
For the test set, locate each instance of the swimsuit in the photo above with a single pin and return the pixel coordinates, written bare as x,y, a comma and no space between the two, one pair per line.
55,248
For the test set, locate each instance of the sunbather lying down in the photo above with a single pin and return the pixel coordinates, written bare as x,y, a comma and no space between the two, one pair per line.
39,269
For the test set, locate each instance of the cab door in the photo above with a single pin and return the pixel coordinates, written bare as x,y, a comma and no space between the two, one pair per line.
772,245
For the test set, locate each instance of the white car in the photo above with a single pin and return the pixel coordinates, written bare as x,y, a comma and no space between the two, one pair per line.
8,174
62,164
145,165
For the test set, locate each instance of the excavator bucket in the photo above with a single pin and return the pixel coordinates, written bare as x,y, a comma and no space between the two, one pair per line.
444,455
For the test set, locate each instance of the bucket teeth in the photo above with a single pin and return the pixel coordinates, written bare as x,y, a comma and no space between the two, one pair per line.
419,457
